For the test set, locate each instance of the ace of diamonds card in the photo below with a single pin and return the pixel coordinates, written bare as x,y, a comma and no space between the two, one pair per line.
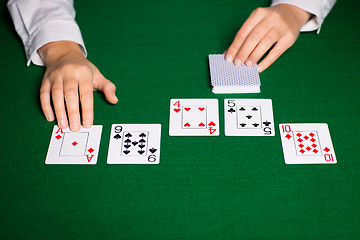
307,143
194,117
68,147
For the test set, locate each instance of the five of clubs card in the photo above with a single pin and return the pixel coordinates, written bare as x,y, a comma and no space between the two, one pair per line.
68,147
307,143
248,117
194,117
134,144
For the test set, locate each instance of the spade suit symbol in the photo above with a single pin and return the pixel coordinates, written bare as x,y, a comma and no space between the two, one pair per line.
117,136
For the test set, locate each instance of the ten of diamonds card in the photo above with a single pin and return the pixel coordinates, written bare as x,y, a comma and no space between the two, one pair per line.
307,143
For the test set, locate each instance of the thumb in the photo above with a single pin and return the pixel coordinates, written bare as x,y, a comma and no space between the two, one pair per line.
104,85
107,87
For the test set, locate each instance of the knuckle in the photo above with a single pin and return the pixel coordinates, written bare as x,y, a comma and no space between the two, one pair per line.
256,35
57,90
274,14
85,95
269,40
70,89
292,38
258,11
43,96
232,49
72,111
43,91
109,86
66,68
71,92
84,70
275,54
75,69
240,35
73,115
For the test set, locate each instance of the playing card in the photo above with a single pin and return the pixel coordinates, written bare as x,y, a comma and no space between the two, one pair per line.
194,117
68,147
307,143
248,117
134,144
226,77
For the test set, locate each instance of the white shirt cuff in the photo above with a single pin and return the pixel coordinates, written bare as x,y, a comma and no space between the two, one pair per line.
318,8
51,32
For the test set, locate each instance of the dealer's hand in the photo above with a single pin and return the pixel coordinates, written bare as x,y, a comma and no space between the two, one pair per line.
68,83
279,25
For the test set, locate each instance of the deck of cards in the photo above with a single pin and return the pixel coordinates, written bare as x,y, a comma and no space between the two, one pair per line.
226,77
303,143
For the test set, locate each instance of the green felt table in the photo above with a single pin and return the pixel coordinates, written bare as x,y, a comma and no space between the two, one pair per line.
204,187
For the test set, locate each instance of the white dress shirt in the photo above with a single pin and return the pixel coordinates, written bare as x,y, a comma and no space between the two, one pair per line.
39,22
318,8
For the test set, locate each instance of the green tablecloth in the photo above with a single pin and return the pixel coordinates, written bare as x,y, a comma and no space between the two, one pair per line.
204,187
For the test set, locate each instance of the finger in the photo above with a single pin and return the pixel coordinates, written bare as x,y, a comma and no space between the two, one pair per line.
45,100
255,17
265,44
86,100
280,47
71,92
251,42
57,93
108,88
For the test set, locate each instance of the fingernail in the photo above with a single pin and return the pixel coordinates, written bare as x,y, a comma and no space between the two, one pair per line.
87,123
50,117
229,58
248,63
62,124
259,68
75,126
238,62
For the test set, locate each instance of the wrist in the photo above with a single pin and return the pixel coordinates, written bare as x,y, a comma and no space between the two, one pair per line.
54,51
301,15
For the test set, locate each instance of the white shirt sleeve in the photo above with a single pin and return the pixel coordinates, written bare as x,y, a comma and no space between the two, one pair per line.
39,22
319,8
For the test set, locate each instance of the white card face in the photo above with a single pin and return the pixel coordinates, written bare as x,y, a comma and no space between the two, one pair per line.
134,144
307,143
248,117
194,117
68,147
